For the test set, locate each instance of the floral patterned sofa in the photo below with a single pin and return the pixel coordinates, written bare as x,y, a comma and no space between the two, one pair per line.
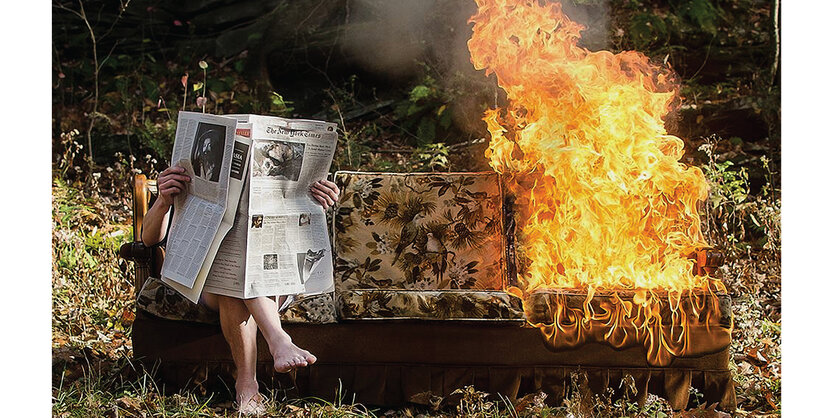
418,311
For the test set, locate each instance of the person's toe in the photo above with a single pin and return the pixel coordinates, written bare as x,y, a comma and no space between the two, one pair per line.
284,367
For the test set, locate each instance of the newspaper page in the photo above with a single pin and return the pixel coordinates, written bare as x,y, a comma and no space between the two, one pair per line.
203,145
237,179
287,246
227,272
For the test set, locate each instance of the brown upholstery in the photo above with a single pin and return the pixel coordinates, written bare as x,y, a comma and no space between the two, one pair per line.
394,362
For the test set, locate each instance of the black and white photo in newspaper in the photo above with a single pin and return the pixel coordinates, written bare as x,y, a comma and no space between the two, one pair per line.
203,145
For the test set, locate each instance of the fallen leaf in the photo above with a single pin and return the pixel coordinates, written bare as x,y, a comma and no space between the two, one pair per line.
130,405
427,398
705,411
756,357
769,397
531,401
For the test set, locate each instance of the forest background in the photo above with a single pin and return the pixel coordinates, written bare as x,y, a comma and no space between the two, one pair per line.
419,112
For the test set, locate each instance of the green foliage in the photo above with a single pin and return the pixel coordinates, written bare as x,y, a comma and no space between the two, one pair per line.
431,157
730,186
729,191
141,93
647,29
668,25
355,152
701,13
361,146
582,402
158,136
735,217
279,106
426,112
119,388
90,292
745,225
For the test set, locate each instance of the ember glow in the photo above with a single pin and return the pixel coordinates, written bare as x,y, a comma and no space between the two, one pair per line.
604,204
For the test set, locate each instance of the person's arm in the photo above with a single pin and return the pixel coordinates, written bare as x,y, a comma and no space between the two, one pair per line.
325,192
170,183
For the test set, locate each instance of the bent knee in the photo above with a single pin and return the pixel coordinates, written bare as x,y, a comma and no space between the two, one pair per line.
210,300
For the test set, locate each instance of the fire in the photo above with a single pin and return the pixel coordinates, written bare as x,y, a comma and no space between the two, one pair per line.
605,205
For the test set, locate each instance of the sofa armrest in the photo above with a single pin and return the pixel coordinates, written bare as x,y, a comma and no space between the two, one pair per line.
146,260
136,251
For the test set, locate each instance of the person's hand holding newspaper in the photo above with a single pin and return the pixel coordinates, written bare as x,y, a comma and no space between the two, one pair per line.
170,183
325,192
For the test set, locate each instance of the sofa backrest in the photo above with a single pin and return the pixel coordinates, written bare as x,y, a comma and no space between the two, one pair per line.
419,231
420,246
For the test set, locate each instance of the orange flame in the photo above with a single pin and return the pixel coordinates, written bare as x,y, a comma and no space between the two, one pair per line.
605,203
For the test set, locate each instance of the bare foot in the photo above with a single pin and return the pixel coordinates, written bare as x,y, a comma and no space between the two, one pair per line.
250,402
287,356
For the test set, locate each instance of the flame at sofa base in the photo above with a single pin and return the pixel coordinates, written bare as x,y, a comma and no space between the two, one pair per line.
667,325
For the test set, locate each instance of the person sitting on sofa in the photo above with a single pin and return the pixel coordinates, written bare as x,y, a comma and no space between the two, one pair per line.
240,319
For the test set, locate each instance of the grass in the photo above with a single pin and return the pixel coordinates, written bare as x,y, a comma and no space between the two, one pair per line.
91,286
119,388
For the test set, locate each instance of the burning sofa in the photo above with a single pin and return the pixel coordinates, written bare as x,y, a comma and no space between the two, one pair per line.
581,252
426,301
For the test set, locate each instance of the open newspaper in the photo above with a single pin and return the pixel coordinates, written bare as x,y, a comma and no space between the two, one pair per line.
248,225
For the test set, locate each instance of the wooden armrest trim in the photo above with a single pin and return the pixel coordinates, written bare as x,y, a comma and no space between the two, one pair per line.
136,252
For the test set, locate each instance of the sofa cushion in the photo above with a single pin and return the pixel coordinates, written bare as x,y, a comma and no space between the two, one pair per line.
416,236
428,304
162,301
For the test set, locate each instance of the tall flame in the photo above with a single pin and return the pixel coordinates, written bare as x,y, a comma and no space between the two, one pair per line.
604,202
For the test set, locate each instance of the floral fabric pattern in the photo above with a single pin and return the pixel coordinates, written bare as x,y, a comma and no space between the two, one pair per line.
315,309
438,304
425,246
424,231
160,300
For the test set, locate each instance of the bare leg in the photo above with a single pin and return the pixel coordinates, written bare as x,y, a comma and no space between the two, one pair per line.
286,355
240,331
